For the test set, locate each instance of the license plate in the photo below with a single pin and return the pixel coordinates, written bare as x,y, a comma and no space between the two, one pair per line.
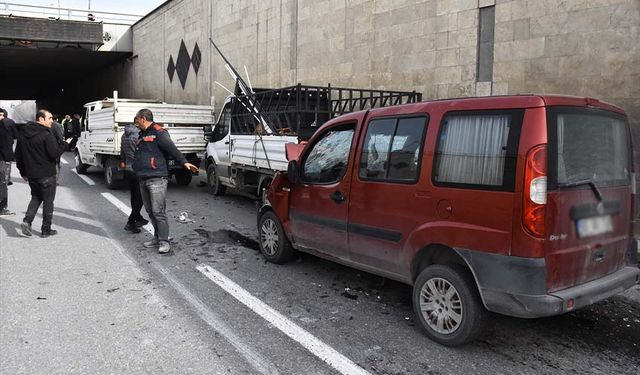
594,226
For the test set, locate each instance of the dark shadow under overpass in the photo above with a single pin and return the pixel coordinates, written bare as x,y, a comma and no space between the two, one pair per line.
61,79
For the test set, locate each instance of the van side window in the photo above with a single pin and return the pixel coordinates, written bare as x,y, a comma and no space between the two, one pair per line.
328,158
478,150
392,149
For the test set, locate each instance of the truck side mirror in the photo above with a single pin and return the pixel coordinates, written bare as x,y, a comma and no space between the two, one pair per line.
208,131
293,172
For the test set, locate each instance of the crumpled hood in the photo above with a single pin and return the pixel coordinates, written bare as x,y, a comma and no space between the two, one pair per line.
33,129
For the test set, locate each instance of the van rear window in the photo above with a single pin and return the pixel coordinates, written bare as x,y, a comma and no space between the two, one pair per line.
588,145
478,150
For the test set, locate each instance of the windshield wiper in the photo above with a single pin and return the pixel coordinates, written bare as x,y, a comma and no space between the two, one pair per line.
591,184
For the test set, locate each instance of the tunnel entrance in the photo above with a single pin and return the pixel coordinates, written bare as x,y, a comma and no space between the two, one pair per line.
61,63
60,79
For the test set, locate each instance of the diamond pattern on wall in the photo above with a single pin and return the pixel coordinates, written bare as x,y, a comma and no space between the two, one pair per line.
196,58
171,68
182,64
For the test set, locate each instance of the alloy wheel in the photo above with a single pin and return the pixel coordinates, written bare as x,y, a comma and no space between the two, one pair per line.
269,237
441,305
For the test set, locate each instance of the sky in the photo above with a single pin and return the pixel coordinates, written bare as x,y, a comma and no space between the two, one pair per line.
139,7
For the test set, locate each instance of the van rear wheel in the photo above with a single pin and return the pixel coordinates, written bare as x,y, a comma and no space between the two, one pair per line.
274,244
110,178
448,305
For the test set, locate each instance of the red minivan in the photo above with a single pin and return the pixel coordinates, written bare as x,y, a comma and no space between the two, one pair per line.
519,205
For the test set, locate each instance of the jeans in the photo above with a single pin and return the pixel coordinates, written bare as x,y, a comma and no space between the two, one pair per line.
136,198
43,190
8,171
154,192
4,180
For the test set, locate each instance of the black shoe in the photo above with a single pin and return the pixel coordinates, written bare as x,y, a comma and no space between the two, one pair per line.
141,223
10,183
132,228
26,229
47,233
6,212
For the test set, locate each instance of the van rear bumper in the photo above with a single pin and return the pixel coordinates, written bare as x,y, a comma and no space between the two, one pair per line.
535,306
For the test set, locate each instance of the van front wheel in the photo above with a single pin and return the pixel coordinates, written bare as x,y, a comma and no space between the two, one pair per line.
81,168
274,244
448,305
214,185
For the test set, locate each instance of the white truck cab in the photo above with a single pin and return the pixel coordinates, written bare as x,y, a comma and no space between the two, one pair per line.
243,155
103,125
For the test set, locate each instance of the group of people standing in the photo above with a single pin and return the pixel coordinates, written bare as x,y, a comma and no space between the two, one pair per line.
145,158
145,151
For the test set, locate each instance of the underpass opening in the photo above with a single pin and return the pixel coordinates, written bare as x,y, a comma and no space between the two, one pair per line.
62,63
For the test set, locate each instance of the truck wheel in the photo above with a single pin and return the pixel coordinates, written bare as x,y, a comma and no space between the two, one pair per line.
213,182
448,305
80,167
110,178
183,178
274,244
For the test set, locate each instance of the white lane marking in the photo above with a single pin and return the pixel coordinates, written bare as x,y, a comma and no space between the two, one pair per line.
260,363
124,208
63,161
323,351
85,178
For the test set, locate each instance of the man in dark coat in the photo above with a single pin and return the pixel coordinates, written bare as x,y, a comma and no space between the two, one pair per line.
127,154
75,130
11,126
153,149
36,155
7,135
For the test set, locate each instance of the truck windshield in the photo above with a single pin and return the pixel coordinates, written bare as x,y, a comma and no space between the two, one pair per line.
588,145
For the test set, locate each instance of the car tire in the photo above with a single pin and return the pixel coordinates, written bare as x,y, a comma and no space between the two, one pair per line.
81,168
214,185
183,178
274,244
448,306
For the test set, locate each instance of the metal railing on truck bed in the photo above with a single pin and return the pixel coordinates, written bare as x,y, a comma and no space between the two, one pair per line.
300,110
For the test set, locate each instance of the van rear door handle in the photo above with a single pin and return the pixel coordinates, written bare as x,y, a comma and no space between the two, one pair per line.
337,197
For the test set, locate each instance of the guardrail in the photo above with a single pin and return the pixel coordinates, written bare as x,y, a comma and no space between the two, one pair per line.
36,11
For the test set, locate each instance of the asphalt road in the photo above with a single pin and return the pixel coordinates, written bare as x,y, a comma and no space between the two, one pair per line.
141,312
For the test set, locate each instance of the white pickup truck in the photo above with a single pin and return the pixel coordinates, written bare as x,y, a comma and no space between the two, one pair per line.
103,125
242,155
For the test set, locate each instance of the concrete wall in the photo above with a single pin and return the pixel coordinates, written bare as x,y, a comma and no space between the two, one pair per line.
157,38
576,47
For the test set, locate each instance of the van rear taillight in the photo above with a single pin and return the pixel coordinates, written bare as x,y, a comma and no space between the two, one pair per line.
535,194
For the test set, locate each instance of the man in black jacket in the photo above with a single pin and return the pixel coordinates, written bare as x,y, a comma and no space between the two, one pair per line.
75,129
127,154
150,164
36,155
7,135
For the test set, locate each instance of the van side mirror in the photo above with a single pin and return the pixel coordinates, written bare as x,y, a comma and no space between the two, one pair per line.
293,172
208,131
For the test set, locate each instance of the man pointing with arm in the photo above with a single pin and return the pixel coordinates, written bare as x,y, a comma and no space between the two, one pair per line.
153,149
